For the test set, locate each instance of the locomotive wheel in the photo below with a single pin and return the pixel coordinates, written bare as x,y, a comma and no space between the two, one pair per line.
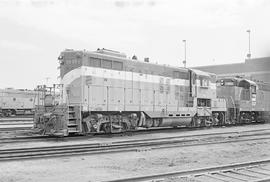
133,123
148,123
124,127
106,128
208,123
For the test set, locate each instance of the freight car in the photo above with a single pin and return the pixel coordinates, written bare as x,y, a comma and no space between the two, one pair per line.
16,102
104,91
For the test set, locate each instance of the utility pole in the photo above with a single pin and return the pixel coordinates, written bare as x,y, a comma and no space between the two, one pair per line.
249,53
47,80
185,53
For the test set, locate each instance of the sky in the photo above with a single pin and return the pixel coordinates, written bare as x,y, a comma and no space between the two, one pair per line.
33,33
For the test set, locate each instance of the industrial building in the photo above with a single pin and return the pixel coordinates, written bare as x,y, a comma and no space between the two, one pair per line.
254,69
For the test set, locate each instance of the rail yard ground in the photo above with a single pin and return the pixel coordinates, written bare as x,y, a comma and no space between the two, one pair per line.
140,161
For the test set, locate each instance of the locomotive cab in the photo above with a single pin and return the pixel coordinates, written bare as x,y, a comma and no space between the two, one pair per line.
205,90
247,92
69,60
210,109
240,95
247,101
238,92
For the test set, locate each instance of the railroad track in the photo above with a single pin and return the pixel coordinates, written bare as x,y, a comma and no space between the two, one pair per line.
15,128
16,123
253,171
129,133
12,127
124,146
16,119
10,124
37,138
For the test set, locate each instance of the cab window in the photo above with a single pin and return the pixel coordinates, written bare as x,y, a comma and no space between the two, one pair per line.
253,89
204,82
204,103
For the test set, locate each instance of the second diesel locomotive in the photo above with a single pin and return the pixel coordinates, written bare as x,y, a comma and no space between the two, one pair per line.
104,91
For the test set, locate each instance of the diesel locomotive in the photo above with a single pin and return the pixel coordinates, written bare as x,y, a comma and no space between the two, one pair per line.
103,91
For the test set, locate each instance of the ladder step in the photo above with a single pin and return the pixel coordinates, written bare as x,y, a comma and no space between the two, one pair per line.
72,125
72,118
72,122
73,131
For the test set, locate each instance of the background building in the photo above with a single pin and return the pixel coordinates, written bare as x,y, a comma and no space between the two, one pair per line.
254,69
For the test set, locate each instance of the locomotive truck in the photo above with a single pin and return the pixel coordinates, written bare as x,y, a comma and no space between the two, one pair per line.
103,91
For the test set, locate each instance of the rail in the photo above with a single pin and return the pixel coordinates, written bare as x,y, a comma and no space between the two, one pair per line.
247,171
124,146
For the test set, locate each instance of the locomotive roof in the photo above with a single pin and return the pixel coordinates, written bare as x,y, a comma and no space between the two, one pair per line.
130,63
238,80
202,73
100,55
260,85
